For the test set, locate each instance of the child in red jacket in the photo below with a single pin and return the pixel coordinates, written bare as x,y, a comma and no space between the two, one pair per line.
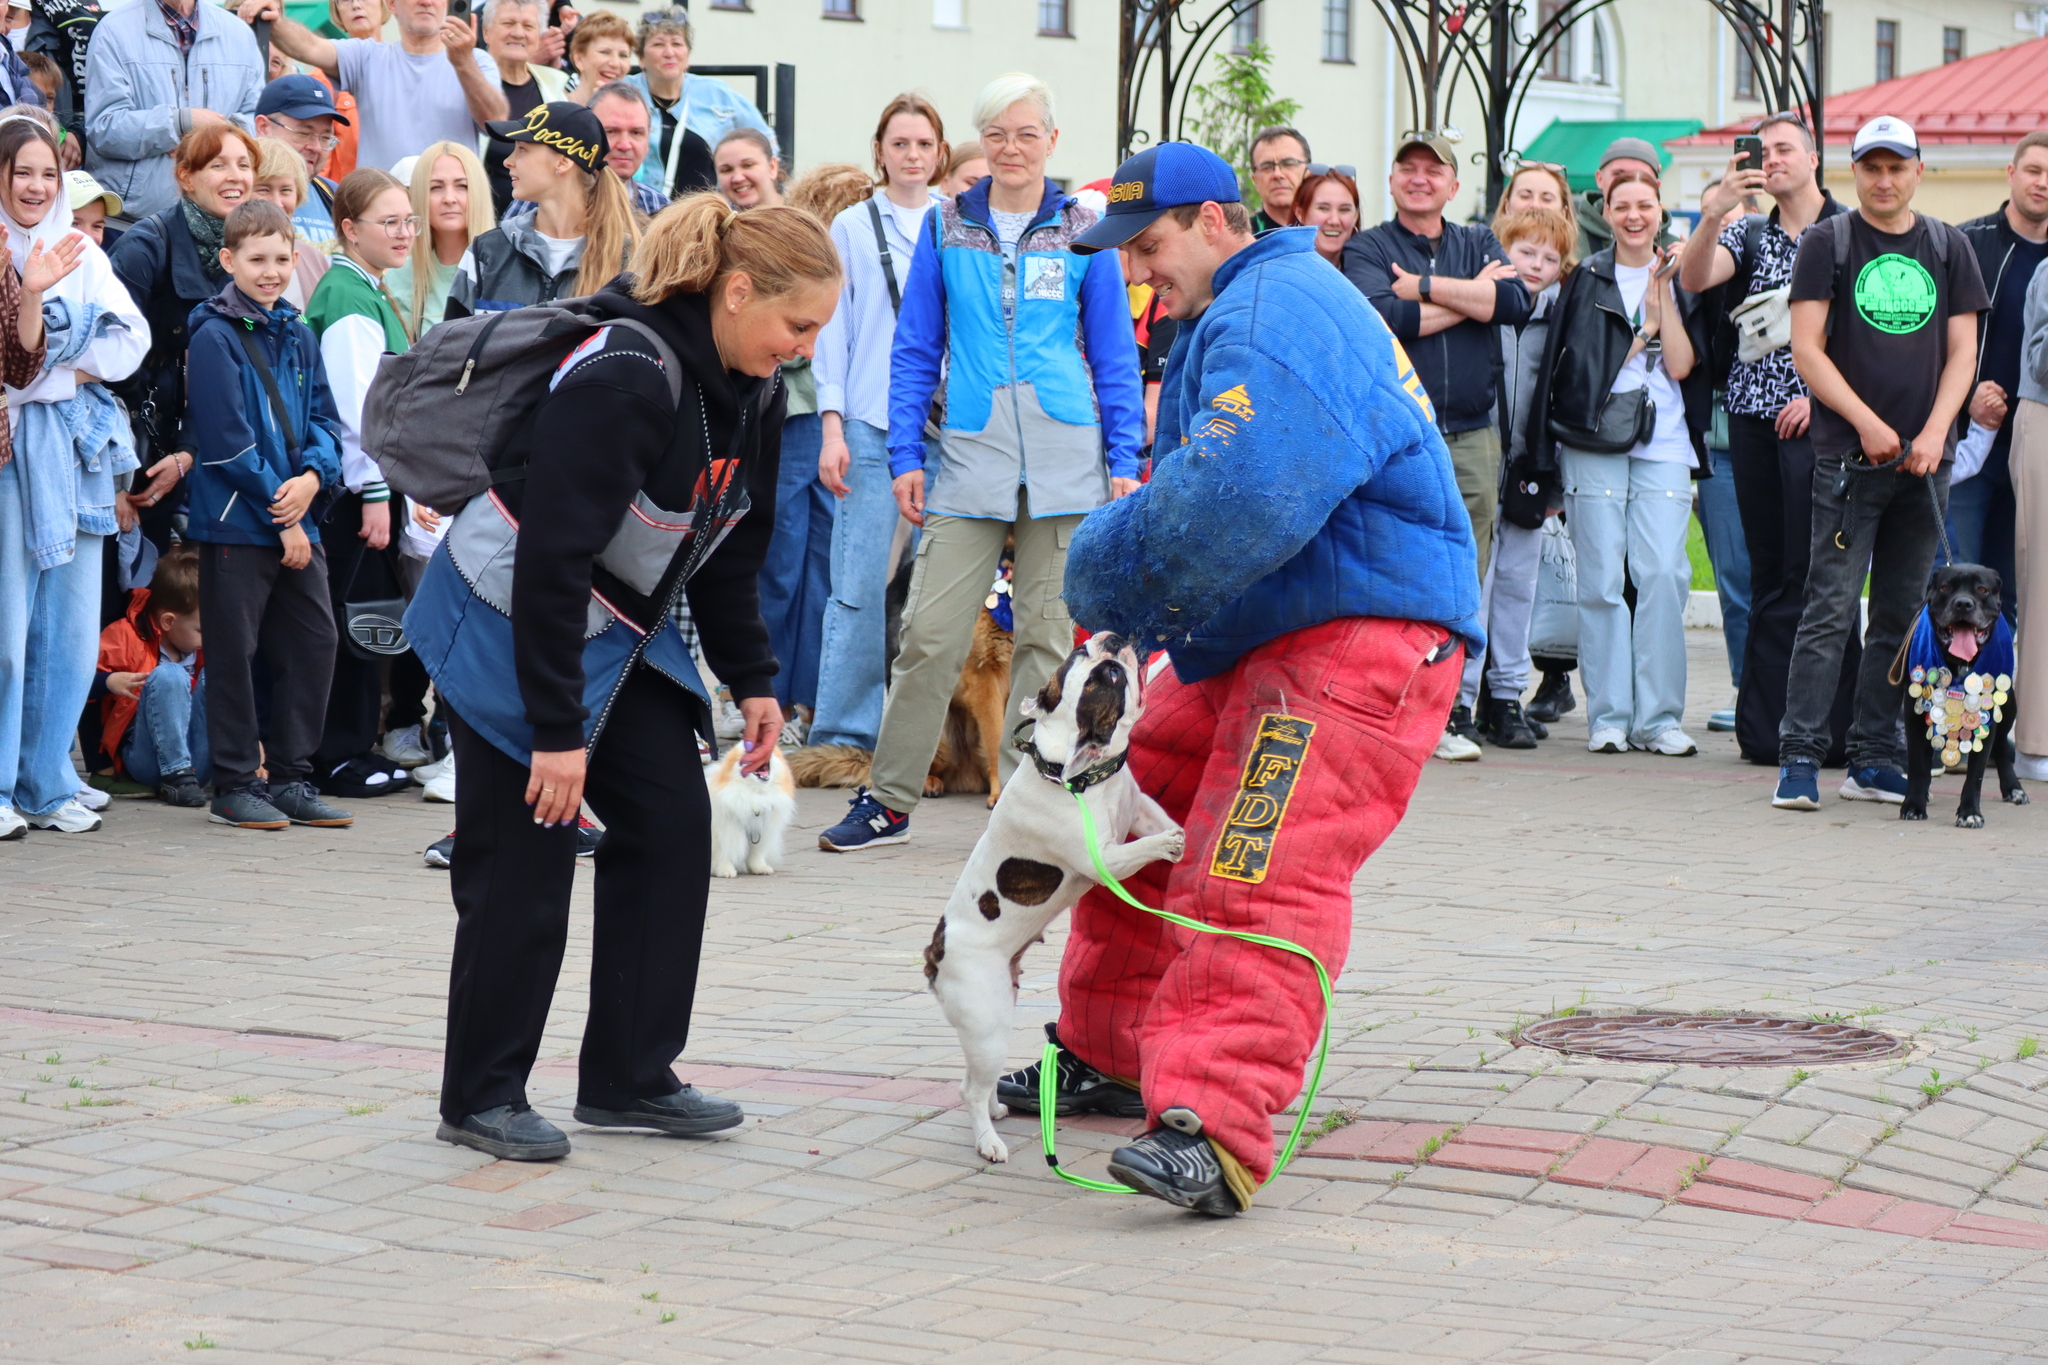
152,689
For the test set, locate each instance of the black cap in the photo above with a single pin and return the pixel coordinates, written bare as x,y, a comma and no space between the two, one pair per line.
559,126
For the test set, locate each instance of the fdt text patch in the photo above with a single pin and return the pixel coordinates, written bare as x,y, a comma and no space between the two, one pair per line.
1246,844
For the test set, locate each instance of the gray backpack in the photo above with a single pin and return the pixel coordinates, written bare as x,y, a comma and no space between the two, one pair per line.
441,418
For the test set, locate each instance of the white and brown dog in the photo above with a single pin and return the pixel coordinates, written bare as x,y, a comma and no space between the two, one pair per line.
749,814
1032,861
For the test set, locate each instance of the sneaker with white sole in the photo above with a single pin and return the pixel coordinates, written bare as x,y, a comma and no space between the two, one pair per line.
1607,740
427,772
441,786
1672,743
1875,784
12,826
405,747
2030,767
69,818
1455,748
93,799
1798,786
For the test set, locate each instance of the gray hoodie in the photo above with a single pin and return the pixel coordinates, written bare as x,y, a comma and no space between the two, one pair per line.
2034,349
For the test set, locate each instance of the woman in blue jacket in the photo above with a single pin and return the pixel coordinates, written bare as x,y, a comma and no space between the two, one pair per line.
1044,420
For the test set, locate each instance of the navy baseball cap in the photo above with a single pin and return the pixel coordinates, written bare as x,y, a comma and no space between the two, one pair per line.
298,97
1155,180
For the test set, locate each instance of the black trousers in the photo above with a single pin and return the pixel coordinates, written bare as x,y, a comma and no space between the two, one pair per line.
512,881
248,601
355,572
1774,492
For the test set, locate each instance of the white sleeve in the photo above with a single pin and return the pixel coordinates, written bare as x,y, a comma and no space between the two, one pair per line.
351,350
118,352
1971,452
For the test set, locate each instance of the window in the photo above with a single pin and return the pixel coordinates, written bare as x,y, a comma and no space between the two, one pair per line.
949,13
1244,29
1745,63
1599,71
743,5
842,9
1336,30
1951,45
1557,63
1055,18
1887,50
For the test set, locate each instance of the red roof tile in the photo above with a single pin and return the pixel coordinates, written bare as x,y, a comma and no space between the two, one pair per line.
1996,98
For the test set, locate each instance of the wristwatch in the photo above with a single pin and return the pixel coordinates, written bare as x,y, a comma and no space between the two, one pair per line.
1423,287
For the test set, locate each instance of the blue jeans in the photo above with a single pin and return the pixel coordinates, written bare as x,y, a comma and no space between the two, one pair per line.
1981,516
853,669
49,644
1627,521
794,576
1728,552
168,734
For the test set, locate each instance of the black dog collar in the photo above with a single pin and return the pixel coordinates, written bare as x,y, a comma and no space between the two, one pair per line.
1086,778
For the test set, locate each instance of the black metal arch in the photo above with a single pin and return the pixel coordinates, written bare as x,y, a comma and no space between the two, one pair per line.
1488,52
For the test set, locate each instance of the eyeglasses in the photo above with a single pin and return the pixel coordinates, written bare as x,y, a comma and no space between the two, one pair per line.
1024,139
301,136
400,227
1286,163
1318,168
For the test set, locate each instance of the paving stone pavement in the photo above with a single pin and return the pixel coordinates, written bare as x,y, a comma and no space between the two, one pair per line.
219,1052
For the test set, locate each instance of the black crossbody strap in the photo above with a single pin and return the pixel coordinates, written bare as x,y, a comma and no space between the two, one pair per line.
277,408
888,260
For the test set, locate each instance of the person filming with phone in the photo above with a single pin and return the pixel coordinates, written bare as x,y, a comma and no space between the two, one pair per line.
1769,447
1621,405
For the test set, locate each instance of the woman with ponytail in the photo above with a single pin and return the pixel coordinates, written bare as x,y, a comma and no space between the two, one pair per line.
572,682
582,230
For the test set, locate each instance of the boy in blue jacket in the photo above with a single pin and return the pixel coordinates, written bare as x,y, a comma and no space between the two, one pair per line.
1302,554
266,438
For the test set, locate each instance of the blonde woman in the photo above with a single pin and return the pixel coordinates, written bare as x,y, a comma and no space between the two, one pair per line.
453,203
582,229
281,178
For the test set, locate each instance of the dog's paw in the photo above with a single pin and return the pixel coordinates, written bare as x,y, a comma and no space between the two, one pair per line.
997,1109
761,869
2016,797
1176,845
724,870
1969,822
1911,813
993,1148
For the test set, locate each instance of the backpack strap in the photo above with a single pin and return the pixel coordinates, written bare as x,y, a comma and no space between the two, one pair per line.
888,258
277,408
671,369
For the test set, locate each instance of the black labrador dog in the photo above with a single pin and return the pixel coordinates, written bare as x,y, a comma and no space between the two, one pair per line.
1963,603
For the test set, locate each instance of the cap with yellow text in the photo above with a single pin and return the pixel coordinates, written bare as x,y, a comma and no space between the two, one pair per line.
560,126
1155,180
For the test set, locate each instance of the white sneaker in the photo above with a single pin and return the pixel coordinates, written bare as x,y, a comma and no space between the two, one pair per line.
441,787
405,747
69,818
1455,748
427,772
2032,767
12,826
92,798
1608,740
1673,743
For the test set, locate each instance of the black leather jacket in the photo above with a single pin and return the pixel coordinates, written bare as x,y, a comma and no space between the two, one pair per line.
1589,341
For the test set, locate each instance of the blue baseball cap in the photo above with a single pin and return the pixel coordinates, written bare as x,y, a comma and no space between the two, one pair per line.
298,97
1155,180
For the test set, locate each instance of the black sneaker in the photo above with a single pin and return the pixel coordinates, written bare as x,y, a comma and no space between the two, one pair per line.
1178,1167
588,836
247,808
867,823
303,806
687,1113
511,1132
1078,1088
441,853
182,789
1553,699
1460,724
365,776
1505,726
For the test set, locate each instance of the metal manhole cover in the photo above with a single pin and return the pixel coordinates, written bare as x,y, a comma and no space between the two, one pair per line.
1710,1040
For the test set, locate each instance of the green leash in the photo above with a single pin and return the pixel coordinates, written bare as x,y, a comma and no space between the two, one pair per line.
1048,1069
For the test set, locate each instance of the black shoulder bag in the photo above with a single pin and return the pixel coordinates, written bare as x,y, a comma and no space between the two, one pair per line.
374,628
931,422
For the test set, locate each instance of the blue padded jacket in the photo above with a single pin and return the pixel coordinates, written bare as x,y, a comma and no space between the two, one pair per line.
1298,477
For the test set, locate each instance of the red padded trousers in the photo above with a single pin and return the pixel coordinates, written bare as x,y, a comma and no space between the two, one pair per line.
1287,772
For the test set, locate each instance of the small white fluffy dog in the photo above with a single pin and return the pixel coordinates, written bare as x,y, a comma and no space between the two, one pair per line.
1032,862
749,815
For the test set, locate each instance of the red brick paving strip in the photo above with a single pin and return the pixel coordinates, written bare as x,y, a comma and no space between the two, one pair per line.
1661,1171
1599,1161
1747,1175
500,1176
1912,1219
1850,1208
1528,1139
540,1217
1733,1200
1473,1156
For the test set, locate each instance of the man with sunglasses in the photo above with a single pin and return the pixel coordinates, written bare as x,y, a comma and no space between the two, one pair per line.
1279,165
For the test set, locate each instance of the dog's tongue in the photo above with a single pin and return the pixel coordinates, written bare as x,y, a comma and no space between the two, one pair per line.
1963,644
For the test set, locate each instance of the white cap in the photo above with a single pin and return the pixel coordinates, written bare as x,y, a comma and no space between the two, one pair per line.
1886,133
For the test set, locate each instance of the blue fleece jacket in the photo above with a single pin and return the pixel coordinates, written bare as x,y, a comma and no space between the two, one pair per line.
1298,477
239,449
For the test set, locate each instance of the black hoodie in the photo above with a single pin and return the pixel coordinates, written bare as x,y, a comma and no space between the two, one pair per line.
606,433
